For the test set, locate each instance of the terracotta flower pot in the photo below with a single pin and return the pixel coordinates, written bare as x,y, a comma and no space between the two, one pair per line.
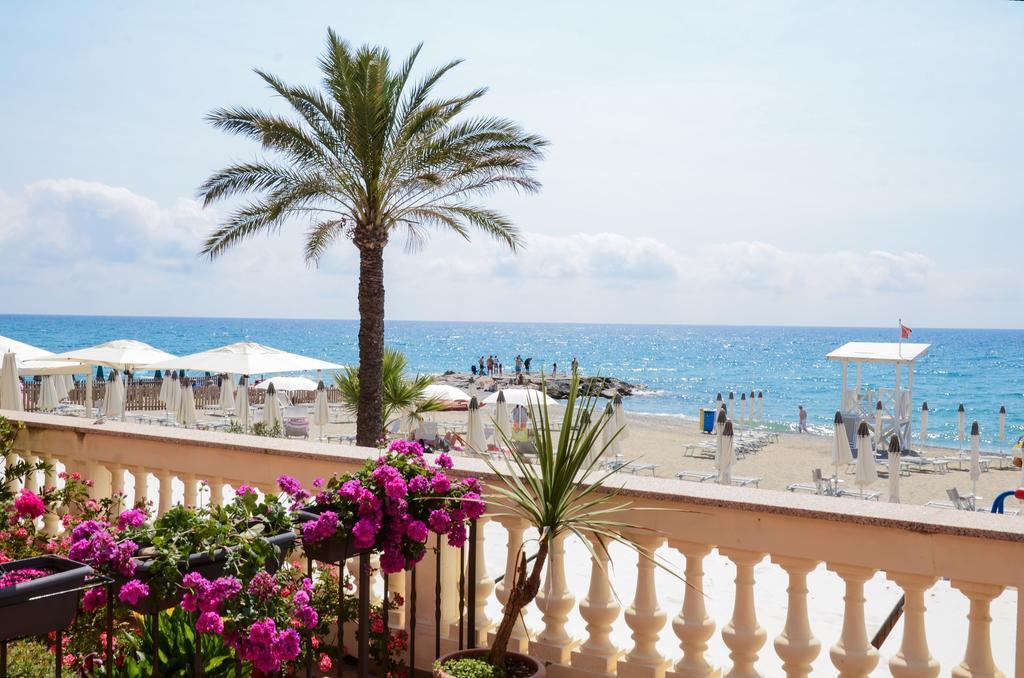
41,605
480,652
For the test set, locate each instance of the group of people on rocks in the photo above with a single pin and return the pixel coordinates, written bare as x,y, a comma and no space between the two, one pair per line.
491,366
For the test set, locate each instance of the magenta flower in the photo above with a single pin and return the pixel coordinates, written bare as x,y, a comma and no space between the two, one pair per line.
244,490
457,535
417,531
132,592
439,521
391,561
131,518
444,461
210,622
364,532
419,485
324,527
28,505
472,505
395,488
289,485
94,599
441,483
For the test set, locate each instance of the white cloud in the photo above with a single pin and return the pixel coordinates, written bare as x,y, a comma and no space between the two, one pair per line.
72,246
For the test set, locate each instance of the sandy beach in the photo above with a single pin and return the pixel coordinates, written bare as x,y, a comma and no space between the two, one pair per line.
660,440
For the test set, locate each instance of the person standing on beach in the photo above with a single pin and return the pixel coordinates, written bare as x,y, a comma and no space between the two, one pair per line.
575,365
490,365
803,419
526,364
481,366
519,364
554,369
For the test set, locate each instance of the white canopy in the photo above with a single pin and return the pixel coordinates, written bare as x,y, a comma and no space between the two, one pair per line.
32,360
879,352
244,358
288,384
445,392
120,354
522,396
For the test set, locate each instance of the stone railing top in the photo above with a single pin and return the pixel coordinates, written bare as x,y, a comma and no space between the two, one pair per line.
641,490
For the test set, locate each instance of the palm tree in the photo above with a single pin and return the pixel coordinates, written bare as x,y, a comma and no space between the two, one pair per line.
401,396
370,154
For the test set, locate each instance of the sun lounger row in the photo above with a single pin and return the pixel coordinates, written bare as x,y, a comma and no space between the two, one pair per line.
704,476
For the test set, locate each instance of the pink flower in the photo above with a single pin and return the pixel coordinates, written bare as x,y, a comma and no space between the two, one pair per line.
132,592
439,521
457,535
365,533
391,561
210,622
417,531
289,485
131,518
28,505
395,488
419,485
94,599
244,490
324,527
325,663
472,505
444,461
441,483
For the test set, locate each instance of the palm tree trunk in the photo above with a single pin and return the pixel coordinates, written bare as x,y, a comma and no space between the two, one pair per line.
370,414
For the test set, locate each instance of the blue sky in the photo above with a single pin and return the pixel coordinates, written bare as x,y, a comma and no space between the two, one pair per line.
744,162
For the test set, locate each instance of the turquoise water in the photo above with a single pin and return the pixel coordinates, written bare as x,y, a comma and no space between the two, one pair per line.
683,367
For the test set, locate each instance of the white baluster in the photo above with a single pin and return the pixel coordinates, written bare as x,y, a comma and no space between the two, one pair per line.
645,616
216,491
166,480
484,584
853,654
519,641
13,484
913,659
692,625
117,489
978,661
189,491
796,645
743,635
141,484
600,609
32,479
99,480
51,522
555,600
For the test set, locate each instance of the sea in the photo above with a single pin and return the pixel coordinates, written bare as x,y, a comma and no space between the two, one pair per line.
681,367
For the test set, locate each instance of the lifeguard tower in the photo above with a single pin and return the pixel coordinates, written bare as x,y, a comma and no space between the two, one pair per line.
859,404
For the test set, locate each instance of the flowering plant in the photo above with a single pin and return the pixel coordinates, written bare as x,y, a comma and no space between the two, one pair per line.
391,505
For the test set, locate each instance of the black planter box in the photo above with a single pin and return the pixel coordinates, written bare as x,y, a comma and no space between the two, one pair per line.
210,566
42,605
333,550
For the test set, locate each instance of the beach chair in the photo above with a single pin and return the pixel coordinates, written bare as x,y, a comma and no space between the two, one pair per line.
818,485
857,494
296,422
696,476
925,465
746,481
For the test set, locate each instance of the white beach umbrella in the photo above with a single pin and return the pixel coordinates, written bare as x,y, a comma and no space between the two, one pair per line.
894,469
48,400
227,396
760,404
475,428
923,435
725,456
841,454
271,408
620,418
720,422
865,473
245,358
10,387
174,393
1002,428
113,397
187,405
611,432
975,457
242,404
523,396
32,360
165,390
69,384
288,384
501,419
60,385
321,413
744,412
878,424
731,404
960,415
719,403
751,402
447,393
472,388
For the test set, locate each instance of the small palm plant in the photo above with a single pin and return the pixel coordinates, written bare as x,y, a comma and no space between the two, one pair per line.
402,395
561,492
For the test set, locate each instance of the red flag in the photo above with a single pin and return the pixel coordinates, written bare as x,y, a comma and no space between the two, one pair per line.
904,331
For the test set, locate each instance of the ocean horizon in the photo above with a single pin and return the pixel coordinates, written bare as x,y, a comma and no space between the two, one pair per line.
681,367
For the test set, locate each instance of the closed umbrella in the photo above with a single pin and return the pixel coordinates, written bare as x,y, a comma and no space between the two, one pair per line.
878,425
165,391
174,394
841,455
865,473
475,428
271,408
975,459
113,398
923,436
69,384
502,427
242,404
744,414
47,395
611,432
731,405
227,396
720,422
725,456
960,426
620,418
750,402
760,403
719,403
894,470
321,413
10,387
187,405
60,386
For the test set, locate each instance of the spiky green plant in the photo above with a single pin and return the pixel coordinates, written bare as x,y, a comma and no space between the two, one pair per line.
560,492
370,154
403,396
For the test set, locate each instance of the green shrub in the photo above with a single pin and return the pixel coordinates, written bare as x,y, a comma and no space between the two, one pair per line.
472,668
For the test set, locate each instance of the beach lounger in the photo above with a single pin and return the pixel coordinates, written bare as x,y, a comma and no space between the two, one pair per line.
856,494
963,463
818,485
704,476
702,450
925,465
